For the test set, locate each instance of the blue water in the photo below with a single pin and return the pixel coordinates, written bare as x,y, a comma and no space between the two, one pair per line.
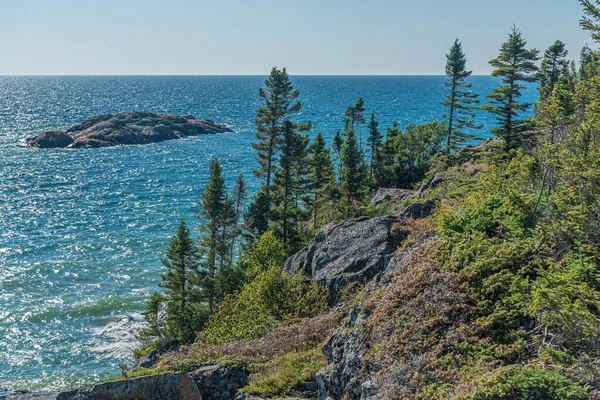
81,232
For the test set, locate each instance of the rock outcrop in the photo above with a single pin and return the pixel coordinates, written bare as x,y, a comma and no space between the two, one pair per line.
352,251
129,128
393,198
219,383
419,210
176,386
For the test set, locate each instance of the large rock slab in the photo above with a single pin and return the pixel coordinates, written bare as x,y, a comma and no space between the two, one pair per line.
172,386
219,383
354,250
29,396
128,128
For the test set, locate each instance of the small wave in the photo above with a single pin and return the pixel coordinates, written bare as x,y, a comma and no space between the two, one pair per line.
118,339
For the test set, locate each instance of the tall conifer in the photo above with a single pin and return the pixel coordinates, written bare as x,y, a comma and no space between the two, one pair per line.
554,66
215,213
322,177
180,283
374,146
515,64
353,184
460,99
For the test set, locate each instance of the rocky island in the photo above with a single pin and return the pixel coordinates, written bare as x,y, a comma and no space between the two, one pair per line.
129,128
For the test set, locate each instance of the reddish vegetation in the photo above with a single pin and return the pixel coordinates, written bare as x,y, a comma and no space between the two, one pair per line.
304,334
415,319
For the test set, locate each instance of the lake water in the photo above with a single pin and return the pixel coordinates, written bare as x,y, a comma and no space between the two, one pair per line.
82,232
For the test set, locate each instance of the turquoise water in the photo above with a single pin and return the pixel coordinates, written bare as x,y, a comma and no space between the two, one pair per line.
81,232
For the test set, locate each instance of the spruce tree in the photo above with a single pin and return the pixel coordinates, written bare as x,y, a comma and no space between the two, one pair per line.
591,19
155,329
278,101
215,213
353,184
184,317
514,64
322,177
354,115
289,185
338,142
239,196
256,220
554,66
374,146
460,99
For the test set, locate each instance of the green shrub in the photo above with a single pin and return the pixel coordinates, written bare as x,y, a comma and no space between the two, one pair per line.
530,382
271,299
283,374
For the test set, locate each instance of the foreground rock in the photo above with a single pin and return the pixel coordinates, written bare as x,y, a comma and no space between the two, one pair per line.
129,128
219,383
206,383
154,387
352,251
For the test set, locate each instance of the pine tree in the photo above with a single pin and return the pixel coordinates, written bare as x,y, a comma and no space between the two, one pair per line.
155,329
554,66
354,115
460,99
289,185
278,101
387,171
353,185
374,145
184,317
591,20
338,142
514,64
215,213
256,220
239,196
322,177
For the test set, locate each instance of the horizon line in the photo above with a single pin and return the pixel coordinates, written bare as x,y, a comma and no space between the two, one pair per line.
216,75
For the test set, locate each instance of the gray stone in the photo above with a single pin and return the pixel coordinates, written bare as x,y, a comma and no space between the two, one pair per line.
219,383
129,128
22,395
170,386
391,196
433,182
148,360
419,210
51,140
354,250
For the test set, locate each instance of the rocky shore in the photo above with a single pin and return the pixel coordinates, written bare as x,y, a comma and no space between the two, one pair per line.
130,128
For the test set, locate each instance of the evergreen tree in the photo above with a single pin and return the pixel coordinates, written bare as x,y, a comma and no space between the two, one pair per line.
353,184
514,64
322,177
338,142
288,186
239,196
387,172
554,66
591,20
256,217
354,115
216,214
460,99
278,101
182,295
374,146
155,329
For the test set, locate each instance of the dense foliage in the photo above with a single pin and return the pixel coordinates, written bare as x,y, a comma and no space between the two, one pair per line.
497,295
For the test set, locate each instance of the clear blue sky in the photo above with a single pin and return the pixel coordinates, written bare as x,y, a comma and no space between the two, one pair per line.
249,37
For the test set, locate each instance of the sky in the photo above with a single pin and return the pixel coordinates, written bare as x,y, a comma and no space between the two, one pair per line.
245,37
